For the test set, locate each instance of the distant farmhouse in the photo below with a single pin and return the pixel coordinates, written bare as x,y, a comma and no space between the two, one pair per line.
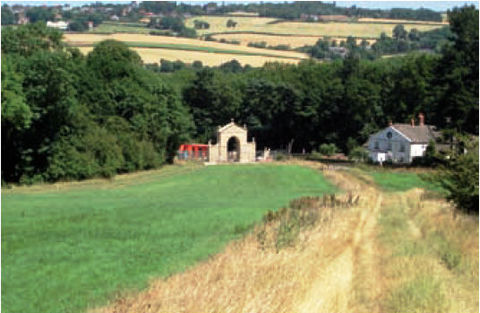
400,143
59,25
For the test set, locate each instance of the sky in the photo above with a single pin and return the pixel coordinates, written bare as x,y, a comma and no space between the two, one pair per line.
433,5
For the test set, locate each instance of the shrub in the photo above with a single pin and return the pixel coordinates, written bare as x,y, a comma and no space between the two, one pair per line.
328,149
261,44
231,23
315,156
460,178
358,154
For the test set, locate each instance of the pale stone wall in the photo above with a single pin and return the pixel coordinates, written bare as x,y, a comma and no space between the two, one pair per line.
218,152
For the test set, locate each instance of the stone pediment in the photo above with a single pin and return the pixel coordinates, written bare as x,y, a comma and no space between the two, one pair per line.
232,127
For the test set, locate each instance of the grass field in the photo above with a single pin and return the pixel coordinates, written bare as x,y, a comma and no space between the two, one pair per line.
390,252
66,247
332,29
430,256
401,181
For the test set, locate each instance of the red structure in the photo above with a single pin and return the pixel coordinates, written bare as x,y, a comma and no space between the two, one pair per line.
193,151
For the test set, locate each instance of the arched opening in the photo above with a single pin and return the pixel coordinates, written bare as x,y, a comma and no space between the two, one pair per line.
233,149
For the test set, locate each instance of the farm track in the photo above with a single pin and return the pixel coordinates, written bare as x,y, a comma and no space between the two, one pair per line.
350,281
340,276
339,266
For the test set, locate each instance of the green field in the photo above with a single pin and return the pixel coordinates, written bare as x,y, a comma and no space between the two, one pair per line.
401,181
70,249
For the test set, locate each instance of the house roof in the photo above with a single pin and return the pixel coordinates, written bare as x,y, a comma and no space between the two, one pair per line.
418,134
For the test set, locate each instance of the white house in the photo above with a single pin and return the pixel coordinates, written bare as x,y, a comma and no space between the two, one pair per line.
400,143
59,25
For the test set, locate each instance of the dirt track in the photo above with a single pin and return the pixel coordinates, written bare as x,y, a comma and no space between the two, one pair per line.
336,267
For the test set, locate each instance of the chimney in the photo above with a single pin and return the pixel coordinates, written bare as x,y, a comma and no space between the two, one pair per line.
412,121
421,119
390,123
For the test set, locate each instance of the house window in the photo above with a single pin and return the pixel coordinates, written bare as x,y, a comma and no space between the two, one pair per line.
389,135
376,144
389,146
402,147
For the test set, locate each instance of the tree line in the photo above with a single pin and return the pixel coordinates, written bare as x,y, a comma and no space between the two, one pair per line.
343,101
69,116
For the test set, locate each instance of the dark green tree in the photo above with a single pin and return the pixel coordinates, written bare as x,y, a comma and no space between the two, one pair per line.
399,32
8,18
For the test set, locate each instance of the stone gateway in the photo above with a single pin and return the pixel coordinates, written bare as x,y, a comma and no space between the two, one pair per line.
232,145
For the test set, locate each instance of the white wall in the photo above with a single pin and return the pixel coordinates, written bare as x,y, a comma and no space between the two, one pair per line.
381,146
417,150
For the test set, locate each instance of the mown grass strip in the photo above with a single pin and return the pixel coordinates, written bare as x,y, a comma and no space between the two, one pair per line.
401,181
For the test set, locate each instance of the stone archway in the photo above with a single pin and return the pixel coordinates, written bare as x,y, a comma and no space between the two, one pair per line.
232,145
233,149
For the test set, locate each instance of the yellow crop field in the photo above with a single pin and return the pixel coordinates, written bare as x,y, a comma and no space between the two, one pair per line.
242,13
219,23
90,39
333,29
274,40
387,20
150,55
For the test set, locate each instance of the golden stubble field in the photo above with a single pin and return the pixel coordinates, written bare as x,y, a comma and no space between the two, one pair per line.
273,40
153,55
387,20
332,29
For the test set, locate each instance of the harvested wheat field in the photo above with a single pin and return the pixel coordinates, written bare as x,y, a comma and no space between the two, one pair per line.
395,21
90,39
332,29
153,55
366,251
219,23
275,40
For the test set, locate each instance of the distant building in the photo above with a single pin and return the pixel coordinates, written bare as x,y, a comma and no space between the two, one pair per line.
400,143
58,25
22,19
341,51
114,18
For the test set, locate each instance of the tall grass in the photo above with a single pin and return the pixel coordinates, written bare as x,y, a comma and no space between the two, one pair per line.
431,257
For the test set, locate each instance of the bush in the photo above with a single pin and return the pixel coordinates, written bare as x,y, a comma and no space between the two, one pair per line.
460,178
261,44
358,154
231,23
328,149
280,47
315,156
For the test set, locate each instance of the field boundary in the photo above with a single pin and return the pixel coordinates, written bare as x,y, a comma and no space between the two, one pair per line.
283,35
186,47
